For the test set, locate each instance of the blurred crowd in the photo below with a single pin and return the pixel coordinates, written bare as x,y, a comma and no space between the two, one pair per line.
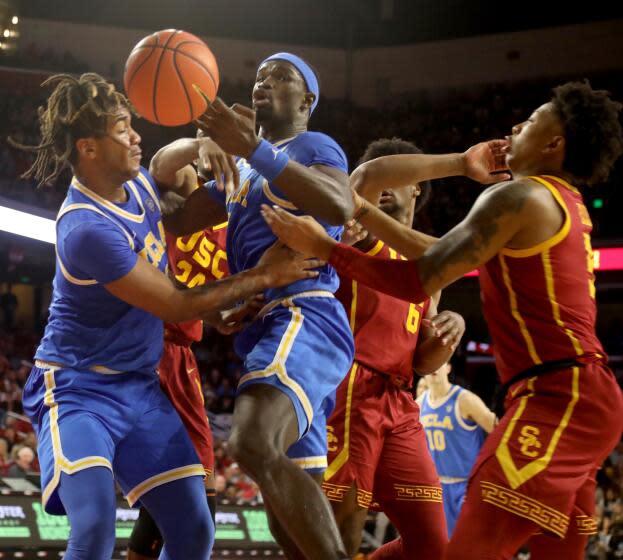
437,122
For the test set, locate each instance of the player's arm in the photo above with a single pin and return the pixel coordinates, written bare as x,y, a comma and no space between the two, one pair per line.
172,170
149,289
319,190
482,162
497,216
473,408
440,335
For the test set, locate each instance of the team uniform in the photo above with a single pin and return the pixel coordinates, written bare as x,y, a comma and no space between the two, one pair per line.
454,443
194,260
376,440
540,461
302,344
93,395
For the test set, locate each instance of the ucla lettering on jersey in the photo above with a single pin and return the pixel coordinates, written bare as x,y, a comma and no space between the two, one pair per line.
248,234
98,242
454,441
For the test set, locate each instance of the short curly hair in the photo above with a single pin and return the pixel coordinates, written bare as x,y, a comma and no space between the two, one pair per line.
391,147
593,135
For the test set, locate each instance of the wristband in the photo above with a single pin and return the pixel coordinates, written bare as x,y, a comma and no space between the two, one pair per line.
268,161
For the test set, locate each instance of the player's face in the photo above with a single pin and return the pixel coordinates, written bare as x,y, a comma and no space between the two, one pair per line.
119,150
399,203
532,139
279,93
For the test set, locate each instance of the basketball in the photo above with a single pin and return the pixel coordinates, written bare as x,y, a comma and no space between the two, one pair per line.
160,75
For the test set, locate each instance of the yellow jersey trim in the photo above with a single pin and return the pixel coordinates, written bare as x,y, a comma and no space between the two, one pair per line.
418,493
319,462
145,182
278,365
376,249
515,311
353,306
563,183
342,457
162,478
552,241
551,293
220,226
138,218
270,195
516,477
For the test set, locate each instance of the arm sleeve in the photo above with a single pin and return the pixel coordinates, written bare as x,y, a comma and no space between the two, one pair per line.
397,278
99,251
216,194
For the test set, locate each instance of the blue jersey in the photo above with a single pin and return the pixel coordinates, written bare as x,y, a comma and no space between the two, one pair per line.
454,441
248,235
99,241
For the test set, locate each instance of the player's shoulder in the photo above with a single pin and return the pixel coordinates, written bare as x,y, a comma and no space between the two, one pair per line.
315,140
511,197
146,184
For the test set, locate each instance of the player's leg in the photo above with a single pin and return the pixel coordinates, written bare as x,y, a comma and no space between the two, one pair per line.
179,379
453,498
356,431
265,425
407,487
487,532
582,525
88,497
192,538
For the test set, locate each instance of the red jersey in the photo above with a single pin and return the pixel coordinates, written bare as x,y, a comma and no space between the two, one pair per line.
194,260
540,302
385,328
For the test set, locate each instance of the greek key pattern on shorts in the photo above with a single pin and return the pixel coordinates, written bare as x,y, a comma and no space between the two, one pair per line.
546,517
409,493
586,525
334,492
364,498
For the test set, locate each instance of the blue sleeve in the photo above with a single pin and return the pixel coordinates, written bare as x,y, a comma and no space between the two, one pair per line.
97,250
323,150
216,194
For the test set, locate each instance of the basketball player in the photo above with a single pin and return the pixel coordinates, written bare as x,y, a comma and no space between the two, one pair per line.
194,260
377,446
531,237
93,395
296,355
456,422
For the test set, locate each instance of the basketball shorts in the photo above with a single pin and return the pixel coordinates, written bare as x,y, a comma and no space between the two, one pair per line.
453,498
377,443
302,346
123,422
180,381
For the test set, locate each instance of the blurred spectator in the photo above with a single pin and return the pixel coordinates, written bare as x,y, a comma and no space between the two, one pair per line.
23,459
8,303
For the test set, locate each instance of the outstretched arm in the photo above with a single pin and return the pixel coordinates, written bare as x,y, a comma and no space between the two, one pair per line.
498,214
483,162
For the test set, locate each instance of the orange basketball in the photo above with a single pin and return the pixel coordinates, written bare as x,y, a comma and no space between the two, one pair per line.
161,71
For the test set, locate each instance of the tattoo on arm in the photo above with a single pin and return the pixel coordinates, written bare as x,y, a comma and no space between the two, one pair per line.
491,223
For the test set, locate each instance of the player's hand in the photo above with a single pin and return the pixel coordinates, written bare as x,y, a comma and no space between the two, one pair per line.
354,232
301,233
221,164
284,266
447,326
486,162
235,319
232,128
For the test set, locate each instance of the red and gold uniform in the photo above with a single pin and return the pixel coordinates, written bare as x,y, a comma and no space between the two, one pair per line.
375,439
539,463
194,260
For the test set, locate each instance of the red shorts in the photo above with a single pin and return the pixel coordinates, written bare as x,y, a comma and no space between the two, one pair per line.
179,379
539,462
377,443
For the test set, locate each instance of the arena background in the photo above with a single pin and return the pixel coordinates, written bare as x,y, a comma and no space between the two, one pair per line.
443,74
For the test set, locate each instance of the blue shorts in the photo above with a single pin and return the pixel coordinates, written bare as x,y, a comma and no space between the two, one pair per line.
304,347
122,422
453,498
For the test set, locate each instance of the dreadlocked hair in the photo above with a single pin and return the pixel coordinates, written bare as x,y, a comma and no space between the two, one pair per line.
77,108
593,135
